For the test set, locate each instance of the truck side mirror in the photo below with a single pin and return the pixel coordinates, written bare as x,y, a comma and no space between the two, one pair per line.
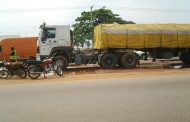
44,35
44,39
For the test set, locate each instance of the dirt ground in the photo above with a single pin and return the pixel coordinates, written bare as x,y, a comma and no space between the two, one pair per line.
87,72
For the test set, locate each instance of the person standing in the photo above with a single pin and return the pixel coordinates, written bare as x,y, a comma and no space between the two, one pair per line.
13,55
1,51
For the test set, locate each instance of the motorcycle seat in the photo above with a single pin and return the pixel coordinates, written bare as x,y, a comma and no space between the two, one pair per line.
14,65
33,62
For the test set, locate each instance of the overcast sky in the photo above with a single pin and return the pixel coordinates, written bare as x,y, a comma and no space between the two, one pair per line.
23,17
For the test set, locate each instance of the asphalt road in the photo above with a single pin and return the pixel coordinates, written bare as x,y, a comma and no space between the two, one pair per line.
140,99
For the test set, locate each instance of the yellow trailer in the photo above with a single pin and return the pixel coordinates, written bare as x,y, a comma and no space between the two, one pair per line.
161,40
142,36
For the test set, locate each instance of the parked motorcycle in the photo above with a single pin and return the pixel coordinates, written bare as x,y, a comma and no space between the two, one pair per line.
24,62
43,67
17,69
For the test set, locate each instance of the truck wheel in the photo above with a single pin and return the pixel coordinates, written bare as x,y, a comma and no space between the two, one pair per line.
185,57
61,61
59,71
108,61
129,60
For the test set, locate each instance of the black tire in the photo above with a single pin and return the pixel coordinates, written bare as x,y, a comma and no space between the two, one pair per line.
4,73
129,60
61,61
185,57
34,72
21,73
59,71
108,61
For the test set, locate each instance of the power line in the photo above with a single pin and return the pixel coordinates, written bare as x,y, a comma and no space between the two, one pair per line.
42,9
152,9
87,7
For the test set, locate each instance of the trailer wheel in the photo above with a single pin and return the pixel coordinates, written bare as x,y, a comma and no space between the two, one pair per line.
129,60
61,61
108,61
185,57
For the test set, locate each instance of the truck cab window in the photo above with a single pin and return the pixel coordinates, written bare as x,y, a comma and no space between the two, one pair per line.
48,33
51,32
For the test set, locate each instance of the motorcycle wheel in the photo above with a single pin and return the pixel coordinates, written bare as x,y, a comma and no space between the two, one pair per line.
34,72
59,71
4,74
21,73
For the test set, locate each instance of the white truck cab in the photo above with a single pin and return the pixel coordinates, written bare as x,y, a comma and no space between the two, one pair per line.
53,37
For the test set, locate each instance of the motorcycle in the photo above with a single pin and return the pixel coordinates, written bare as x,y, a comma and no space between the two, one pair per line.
3,71
44,67
17,69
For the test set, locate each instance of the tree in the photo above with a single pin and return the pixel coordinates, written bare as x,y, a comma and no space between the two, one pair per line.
83,28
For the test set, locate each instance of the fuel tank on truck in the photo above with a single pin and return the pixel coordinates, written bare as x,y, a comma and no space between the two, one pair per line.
24,46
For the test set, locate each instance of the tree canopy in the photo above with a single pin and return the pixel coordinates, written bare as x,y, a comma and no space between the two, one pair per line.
83,28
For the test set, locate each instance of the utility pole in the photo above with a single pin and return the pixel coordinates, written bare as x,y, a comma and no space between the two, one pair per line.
91,22
91,16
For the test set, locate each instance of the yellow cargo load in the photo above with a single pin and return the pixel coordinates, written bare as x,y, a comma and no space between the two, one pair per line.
142,36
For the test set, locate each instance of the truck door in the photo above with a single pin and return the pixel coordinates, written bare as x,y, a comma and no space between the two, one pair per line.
48,41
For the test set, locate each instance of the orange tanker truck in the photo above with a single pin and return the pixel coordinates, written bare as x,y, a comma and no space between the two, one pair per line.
25,47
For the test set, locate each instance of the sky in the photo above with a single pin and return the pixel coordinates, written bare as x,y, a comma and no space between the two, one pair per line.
23,17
